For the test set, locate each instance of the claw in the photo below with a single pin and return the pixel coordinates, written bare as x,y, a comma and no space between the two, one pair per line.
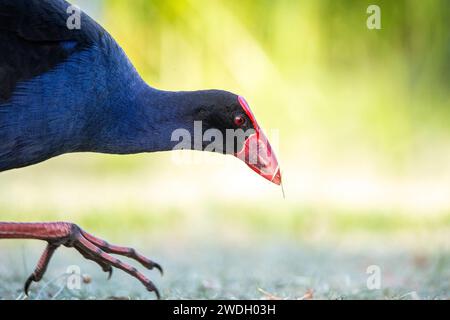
158,266
155,290
110,272
150,286
158,296
28,283
108,269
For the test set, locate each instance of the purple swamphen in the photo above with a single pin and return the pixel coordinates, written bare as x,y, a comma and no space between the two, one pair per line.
66,90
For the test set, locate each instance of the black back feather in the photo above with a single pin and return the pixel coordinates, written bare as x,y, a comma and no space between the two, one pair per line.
32,37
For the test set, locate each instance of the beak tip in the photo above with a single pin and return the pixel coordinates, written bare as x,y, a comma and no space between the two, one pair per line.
277,178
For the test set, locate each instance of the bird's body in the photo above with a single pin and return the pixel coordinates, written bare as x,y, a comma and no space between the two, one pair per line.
56,82
89,98
68,90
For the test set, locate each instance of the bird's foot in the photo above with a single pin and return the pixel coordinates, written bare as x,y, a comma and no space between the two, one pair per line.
94,249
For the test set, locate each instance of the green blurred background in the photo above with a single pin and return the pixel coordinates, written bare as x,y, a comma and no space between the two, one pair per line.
360,120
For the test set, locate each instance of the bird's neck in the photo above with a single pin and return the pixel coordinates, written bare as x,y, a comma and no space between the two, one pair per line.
145,120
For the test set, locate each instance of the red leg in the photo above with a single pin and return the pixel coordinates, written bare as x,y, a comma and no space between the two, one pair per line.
70,235
41,267
41,231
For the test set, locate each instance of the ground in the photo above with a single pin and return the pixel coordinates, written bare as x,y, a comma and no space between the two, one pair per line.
266,269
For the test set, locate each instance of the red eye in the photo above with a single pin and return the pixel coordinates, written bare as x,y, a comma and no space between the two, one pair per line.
239,120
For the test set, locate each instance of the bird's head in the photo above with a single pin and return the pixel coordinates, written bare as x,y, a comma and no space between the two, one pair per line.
228,126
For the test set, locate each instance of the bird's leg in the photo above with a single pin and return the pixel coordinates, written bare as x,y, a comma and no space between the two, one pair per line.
70,235
41,266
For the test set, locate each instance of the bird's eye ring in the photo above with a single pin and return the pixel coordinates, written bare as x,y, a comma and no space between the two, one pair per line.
239,120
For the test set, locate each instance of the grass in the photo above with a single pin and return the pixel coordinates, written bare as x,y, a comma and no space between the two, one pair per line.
237,262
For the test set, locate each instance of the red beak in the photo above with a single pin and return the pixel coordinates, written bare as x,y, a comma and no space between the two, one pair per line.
257,152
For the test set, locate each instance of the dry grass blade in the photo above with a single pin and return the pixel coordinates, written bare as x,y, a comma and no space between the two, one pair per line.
268,295
309,295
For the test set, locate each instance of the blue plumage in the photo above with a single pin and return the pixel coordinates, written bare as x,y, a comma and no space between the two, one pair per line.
87,96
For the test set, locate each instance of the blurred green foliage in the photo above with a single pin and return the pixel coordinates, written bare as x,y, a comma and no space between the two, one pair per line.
311,68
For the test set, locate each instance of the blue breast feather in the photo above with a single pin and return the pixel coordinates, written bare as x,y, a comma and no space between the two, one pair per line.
86,103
